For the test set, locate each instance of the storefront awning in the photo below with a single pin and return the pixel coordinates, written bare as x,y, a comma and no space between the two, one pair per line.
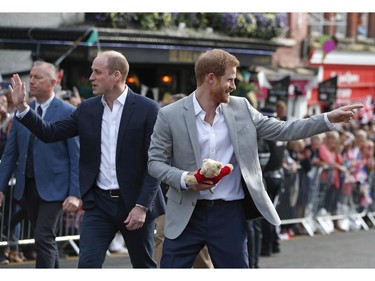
355,72
138,46
343,58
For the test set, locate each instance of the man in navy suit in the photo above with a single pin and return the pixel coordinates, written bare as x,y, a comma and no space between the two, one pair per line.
49,186
114,128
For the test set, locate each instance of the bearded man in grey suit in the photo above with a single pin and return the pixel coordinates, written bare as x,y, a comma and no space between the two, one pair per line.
210,123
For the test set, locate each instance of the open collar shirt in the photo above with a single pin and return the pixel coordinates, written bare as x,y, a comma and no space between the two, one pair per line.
107,178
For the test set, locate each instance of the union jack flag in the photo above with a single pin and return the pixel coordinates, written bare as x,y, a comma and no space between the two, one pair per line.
366,114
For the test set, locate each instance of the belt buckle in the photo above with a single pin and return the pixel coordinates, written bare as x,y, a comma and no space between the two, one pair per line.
113,195
210,203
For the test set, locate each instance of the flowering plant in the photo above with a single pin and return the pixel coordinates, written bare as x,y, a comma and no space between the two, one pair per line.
249,25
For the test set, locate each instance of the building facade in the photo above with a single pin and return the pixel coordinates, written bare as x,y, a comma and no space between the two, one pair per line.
162,60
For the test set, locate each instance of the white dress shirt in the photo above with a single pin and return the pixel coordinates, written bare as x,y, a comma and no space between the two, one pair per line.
44,105
215,143
107,178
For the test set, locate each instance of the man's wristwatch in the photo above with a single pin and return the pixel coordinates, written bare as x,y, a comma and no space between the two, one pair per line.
142,207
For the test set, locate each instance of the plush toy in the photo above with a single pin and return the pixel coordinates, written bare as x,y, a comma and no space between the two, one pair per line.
211,170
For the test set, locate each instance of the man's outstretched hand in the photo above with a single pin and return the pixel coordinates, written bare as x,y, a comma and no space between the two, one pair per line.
18,92
344,113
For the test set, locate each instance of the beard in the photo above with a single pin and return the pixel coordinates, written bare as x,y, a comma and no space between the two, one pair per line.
220,95
224,97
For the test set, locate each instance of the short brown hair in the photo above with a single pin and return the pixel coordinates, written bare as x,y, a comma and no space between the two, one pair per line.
213,61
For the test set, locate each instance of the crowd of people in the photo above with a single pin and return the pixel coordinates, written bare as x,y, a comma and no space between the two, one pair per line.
120,150
332,173
345,159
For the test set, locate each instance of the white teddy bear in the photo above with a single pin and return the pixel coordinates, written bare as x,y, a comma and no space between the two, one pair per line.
211,170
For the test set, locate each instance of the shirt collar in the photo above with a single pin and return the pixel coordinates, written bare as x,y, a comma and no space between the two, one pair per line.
121,99
46,103
198,109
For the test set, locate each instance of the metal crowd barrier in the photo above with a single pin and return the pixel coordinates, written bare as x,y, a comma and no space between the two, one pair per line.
15,228
294,205
303,201
371,211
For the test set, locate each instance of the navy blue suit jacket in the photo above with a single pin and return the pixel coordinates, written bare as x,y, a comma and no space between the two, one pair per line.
137,122
55,164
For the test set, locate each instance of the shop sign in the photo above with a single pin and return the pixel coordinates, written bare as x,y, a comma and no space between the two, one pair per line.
327,90
279,91
183,56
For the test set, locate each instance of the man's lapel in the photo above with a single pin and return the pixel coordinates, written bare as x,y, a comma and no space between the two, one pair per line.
95,120
232,126
52,108
125,118
189,117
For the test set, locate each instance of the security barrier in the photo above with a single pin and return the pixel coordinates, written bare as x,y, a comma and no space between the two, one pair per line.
371,210
306,200
16,228
303,201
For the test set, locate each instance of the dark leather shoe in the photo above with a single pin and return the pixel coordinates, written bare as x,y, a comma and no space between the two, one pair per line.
30,255
265,253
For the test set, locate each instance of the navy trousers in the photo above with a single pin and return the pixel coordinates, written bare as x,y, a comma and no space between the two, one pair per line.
221,227
98,228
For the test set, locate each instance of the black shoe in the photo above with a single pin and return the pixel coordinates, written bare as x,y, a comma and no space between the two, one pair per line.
265,253
30,255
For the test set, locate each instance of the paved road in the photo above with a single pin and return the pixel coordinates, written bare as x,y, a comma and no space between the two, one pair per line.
339,250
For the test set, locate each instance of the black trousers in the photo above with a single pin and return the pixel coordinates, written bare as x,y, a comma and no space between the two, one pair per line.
45,218
270,240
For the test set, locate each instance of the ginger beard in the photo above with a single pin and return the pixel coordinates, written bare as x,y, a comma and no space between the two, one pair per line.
224,85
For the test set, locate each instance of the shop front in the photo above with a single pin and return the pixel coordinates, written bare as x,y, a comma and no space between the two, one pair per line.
293,86
159,63
355,74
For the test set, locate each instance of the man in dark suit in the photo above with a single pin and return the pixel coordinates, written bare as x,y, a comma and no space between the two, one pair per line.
210,123
46,174
117,192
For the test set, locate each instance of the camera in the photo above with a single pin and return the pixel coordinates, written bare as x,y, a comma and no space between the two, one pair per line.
68,94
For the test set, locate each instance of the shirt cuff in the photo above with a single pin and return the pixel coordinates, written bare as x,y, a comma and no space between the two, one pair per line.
183,185
330,125
142,207
20,115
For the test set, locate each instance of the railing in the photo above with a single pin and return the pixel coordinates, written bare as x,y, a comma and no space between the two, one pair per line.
302,201
16,228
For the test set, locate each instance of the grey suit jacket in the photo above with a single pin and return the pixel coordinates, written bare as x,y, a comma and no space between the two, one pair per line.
175,149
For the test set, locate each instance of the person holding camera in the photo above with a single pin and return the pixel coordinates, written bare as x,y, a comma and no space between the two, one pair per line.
71,96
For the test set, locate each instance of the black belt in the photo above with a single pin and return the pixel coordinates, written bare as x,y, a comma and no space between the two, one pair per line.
211,203
114,193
